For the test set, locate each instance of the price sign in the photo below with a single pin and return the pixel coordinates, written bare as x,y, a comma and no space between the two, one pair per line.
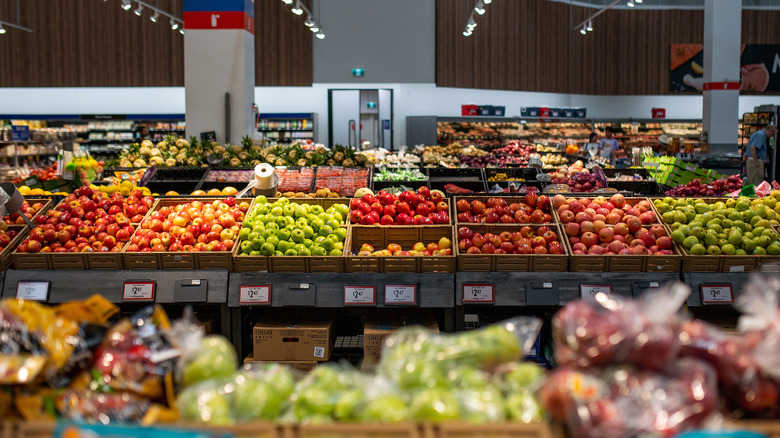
32,290
254,294
588,292
400,294
690,167
478,293
650,164
138,291
716,294
359,295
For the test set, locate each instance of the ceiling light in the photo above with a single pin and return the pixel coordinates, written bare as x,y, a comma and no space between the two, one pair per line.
480,8
297,10
487,2
590,26
2,30
139,10
155,16
126,5
181,31
471,24
320,35
638,1
630,4
287,2
314,28
309,22
583,30
174,24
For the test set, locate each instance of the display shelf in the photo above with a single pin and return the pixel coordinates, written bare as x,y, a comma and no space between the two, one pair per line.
171,286
733,280
286,126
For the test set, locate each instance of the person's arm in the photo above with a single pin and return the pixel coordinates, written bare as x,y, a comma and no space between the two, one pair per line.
753,153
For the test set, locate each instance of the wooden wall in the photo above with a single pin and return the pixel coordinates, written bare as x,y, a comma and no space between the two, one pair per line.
93,43
530,46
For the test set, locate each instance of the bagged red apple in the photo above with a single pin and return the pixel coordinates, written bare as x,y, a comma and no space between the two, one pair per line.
604,330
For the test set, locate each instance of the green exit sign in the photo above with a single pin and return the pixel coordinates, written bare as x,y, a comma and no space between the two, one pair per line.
371,104
358,72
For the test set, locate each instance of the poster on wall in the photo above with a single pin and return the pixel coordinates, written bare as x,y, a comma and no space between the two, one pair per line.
759,68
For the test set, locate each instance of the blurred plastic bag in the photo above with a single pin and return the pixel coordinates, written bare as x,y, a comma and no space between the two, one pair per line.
22,357
93,407
619,402
328,392
611,330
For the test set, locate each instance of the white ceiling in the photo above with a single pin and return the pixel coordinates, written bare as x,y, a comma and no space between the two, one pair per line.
669,4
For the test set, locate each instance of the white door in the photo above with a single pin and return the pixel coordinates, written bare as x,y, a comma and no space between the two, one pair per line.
386,119
345,117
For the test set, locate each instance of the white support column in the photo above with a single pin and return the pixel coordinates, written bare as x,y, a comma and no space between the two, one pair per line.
722,39
219,58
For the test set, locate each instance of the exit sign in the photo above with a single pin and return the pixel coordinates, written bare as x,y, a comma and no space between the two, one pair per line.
358,72
371,104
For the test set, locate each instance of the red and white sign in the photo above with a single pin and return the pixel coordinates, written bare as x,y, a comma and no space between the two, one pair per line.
659,113
478,293
360,295
716,294
138,291
255,294
400,294
219,20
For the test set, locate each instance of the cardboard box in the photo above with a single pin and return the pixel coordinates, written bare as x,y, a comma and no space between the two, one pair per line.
303,366
294,335
377,328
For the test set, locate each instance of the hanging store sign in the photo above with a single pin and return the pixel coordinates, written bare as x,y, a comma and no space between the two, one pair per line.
759,69
220,14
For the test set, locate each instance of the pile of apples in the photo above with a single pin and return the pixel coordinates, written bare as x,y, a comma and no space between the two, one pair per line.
612,227
6,235
424,207
580,182
516,148
534,209
716,188
87,221
191,226
26,209
543,240
441,248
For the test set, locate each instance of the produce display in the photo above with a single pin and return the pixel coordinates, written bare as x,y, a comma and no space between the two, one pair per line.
43,174
238,176
719,187
6,235
295,180
399,175
503,177
191,226
526,240
424,207
578,179
442,247
341,180
87,221
613,226
286,228
27,210
531,209
382,157
516,148
736,226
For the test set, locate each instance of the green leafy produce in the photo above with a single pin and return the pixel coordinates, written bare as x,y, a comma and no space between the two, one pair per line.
399,175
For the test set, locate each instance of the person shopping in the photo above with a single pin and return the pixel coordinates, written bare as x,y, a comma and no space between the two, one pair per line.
755,155
591,148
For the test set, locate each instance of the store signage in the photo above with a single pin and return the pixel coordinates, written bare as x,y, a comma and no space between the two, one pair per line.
359,295
358,72
220,14
20,133
32,290
716,294
588,292
208,136
478,293
759,69
138,291
371,105
659,113
400,294
254,295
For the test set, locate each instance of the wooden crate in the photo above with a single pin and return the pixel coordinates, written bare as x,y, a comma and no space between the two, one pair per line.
47,205
498,430
509,200
355,430
6,258
513,262
45,429
247,263
450,211
405,236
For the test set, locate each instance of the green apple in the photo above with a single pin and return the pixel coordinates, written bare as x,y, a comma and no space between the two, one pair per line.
336,252
258,242
246,247
284,245
307,243
302,210
261,199
339,246
268,249
289,210
283,234
308,231
277,211
282,201
291,252
273,240
243,234
255,253
317,223
325,230
215,358
278,253
325,244
317,250
297,236
304,252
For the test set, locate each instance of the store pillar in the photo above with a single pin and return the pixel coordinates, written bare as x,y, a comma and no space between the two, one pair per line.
722,37
219,68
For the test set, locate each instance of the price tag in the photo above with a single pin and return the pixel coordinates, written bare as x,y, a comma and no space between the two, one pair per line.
653,284
138,291
650,164
546,285
400,294
690,167
716,294
359,295
478,293
254,294
588,292
32,290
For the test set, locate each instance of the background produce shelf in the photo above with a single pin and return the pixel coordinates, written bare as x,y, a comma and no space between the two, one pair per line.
471,179
512,262
404,235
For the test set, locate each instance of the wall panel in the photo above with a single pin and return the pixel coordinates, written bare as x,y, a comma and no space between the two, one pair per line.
92,43
530,46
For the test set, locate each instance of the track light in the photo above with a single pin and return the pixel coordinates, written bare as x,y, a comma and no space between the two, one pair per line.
320,35
471,24
155,16
287,2
590,26
297,10
638,1
583,30
480,8
174,24
630,4
181,31
487,2
126,5
314,28
309,22
139,10
2,30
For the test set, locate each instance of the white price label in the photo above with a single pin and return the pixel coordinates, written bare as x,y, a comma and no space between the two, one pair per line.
478,293
359,295
716,294
138,291
653,284
650,164
690,167
588,292
32,290
546,285
400,294
254,294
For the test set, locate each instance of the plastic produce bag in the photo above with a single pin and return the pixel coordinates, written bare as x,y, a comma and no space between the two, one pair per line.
623,401
22,357
328,392
93,407
611,330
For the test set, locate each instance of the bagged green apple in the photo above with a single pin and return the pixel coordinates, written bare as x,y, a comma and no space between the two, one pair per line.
478,394
208,402
262,392
329,392
201,357
520,382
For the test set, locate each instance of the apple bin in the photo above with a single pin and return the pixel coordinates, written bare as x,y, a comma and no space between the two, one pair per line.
529,209
401,240
501,247
268,261
423,207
